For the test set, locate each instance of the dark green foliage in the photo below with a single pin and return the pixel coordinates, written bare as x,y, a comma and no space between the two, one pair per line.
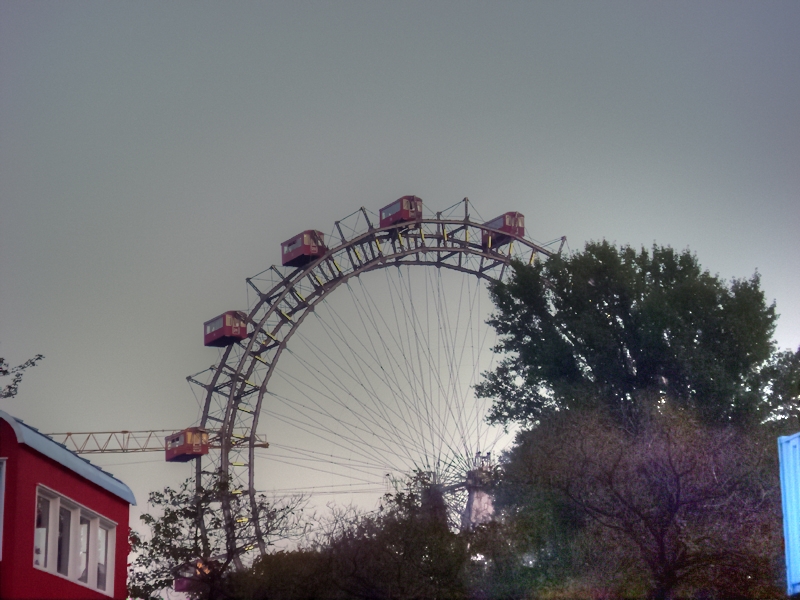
10,390
510,558
539,526
288,575
781,390
607,324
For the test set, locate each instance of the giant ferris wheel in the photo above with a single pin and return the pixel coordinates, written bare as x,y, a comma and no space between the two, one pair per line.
354,365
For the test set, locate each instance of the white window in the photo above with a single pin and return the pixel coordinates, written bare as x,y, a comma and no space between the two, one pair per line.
175,441
391,209
2,500
73,542
293,245
214,325
496,223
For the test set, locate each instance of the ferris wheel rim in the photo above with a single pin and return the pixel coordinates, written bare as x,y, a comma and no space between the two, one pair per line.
447,244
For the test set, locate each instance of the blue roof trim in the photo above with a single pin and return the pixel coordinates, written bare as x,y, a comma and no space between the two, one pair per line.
31,437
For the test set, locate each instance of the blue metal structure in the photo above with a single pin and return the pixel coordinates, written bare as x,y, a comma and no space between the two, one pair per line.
789,457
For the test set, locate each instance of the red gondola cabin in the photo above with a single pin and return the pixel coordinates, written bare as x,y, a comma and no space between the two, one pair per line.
303,248
511,224
186,445
224,330
407,208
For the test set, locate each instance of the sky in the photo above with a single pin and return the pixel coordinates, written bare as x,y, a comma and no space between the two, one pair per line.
153,155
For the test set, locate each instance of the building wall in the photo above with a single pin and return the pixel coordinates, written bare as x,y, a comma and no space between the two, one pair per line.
25,470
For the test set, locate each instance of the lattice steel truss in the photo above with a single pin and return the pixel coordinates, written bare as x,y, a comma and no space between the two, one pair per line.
126,442
234,389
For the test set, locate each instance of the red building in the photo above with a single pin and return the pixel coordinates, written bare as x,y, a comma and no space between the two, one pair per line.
63,521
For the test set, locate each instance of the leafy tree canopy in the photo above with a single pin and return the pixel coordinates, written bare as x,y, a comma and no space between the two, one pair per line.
781,390
610,323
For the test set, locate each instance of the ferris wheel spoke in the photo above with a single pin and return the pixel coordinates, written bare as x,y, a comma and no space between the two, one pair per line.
437,431
454,400
438,377
441,427
322,469
420,351
325,456
383,362
381,408
377,354
312,393
376,419
306,423
413,412
449,395
356,366
414,406
463,412
370,460
370,468
354,363
324,416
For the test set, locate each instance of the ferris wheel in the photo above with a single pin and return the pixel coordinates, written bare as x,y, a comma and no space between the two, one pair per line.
354,367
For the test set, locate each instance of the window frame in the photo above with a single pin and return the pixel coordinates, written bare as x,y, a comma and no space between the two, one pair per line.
3,468
215,324
497,223
77,511
293,244
392,209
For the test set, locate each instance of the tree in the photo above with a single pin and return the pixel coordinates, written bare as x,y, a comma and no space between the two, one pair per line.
289,575
10,390
187,541
689,506
403,551
642,380
781,389
609,324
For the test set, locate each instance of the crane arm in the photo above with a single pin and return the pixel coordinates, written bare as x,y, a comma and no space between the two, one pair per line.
103,442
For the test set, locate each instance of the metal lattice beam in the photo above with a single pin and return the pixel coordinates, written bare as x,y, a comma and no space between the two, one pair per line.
117,442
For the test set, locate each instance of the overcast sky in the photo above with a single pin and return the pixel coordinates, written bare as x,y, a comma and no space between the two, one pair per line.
153,155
